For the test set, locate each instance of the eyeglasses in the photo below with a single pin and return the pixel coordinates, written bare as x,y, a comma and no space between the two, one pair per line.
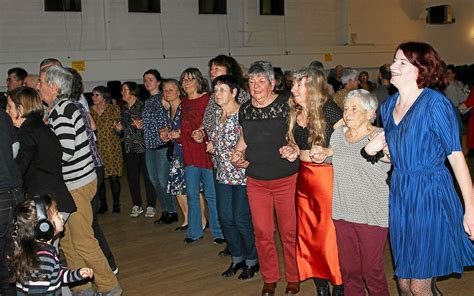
124,90
96,95
187,80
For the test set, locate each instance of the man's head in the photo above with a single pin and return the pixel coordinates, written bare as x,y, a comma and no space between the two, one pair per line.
54,82
384,74
15,78
49,62
31,80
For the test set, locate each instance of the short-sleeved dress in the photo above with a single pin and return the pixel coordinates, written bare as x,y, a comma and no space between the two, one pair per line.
426,216
108,143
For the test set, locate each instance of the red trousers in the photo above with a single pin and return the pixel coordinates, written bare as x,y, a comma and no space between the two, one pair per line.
361,259
267,197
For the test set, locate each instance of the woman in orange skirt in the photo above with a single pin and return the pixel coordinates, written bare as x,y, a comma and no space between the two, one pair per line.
313,117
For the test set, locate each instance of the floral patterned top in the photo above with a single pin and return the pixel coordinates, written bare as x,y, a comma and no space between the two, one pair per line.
224,137
155,117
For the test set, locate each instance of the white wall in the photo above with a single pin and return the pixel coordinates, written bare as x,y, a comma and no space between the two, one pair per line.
119,45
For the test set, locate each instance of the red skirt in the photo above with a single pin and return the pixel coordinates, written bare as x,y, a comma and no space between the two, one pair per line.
316,249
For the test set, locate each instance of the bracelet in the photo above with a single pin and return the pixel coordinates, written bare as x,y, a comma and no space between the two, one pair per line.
371,158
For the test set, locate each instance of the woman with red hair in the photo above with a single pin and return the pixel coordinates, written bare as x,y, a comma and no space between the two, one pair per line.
426,217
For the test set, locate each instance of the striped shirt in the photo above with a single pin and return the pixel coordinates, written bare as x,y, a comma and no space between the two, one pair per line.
50,275
67,123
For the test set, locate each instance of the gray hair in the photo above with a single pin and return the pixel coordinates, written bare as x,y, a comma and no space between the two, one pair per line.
367,99
349,74
61,77
316,65
262,67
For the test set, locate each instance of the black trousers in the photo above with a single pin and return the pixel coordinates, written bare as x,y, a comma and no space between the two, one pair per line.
8,200
135,165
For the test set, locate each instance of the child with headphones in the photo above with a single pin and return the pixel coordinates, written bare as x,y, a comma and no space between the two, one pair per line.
34,262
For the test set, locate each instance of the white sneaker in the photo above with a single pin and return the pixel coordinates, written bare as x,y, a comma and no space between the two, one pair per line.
150,212
115,270
136,210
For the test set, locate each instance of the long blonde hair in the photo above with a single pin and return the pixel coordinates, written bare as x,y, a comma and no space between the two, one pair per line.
317,97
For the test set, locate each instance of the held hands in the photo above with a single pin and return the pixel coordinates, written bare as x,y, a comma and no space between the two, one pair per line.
138,123
289,153
209,147
198,135
174,134
238,159
318,154
165,134
376,143
86,272
117,126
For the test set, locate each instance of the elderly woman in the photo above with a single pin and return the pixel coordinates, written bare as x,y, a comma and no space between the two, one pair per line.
271,179
421,130
198,165
350,79
108,143
155,117
313,117
360,205
130,128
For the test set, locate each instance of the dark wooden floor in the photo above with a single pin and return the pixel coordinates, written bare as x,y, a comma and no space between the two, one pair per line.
153,260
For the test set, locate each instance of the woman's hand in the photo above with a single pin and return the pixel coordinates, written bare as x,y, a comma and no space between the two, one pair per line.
469,223
198,135
318,154
165,134
138,123
209,147
86,272
238,159
174,134
117,126
376,143
289,152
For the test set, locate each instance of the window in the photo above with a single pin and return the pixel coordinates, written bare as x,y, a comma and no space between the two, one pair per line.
272,7
212,6
62,5
144,6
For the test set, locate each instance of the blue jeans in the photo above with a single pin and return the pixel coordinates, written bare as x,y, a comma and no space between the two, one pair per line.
8,200
158,168
234,216
194,176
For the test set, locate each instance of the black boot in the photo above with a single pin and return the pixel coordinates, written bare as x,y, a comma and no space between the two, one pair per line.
116,207
103,206
323,291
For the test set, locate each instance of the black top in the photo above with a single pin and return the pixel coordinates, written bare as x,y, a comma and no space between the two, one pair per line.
39,160
336,84
10,177
332,114
264,132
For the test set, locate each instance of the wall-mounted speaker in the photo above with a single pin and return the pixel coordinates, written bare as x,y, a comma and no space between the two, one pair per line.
440,15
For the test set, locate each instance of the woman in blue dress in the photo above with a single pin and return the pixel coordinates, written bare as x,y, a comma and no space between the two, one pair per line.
427,231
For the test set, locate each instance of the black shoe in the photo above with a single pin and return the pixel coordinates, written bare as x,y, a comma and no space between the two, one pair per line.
171,218
249,272
225,252
116,206
218,241
188,240
232,270
338,290
162,219
181,228
323,291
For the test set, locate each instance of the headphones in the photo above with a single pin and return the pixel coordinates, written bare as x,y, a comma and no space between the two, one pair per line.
44,230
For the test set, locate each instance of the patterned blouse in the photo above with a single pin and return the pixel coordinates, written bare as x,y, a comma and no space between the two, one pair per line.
132,137
108,142
224,137
155,117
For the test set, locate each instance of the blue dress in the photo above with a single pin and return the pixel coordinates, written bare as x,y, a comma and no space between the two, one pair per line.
426,215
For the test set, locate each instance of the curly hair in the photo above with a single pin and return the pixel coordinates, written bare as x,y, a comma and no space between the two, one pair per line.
426,59
318,95
77,87
23,261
